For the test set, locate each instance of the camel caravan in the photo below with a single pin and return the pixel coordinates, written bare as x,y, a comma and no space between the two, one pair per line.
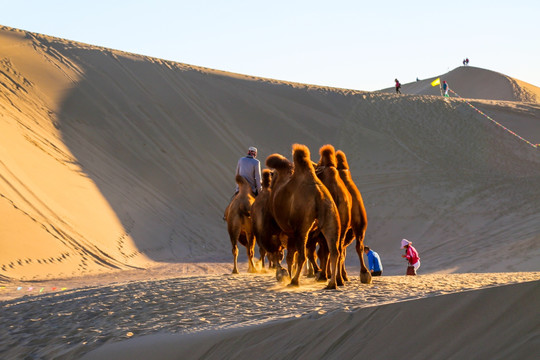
312,210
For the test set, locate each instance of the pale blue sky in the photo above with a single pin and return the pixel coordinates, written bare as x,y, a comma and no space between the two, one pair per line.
358,44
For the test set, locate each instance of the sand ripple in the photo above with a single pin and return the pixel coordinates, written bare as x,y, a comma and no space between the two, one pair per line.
71,323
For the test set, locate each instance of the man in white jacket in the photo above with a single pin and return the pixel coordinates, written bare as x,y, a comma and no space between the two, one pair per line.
250,168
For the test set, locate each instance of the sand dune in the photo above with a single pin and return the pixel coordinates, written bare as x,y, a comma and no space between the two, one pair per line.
111,163
476,83
226,316
457,326
113,160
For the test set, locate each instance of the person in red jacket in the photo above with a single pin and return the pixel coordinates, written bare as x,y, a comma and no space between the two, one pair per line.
411,255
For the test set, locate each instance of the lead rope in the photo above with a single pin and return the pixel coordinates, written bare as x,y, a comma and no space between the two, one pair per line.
495,122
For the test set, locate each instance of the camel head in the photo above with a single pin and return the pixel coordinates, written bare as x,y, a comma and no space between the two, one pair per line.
342,163
328,156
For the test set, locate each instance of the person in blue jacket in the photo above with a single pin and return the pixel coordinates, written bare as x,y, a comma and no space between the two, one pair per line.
445,88
374,261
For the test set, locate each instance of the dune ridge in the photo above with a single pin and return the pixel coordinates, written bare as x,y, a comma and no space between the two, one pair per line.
476,83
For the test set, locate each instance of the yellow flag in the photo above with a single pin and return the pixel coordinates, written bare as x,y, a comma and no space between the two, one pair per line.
436,82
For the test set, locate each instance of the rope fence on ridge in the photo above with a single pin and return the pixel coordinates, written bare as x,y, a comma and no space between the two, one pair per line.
495,122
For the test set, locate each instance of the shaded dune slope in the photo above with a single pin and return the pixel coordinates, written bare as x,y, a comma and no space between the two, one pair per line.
115,160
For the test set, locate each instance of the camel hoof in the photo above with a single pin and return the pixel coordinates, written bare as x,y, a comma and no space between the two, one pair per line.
235,271
365,278
321,277
294,283
331,287
281,274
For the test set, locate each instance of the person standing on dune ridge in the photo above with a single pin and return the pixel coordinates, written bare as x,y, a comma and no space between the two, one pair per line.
445,88
398,86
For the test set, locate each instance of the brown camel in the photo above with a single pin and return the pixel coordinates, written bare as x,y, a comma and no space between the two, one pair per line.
358,216
239,224
269,236
327,172
300,202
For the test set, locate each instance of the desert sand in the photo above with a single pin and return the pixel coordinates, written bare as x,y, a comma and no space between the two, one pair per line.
115,169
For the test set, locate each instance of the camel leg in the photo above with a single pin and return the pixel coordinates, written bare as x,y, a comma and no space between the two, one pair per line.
281,272
310,272
262,254
333,265
290,259
323,257
279,258
332,243
300,260
234,235
311,249
343,270
349,238
251,253
235,258
365,275
339,273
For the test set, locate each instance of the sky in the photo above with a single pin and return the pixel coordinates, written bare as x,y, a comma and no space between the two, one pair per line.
352,44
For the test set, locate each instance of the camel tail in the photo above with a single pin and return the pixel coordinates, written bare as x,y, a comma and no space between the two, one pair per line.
278,162
328,156
301,156
342,163
266,178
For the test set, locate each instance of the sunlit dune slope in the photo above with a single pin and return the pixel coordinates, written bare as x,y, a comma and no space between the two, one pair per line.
115,160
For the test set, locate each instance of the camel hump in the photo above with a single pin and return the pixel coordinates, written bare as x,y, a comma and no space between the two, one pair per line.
266,178
342,163
277,161
301,156
328,156
240,180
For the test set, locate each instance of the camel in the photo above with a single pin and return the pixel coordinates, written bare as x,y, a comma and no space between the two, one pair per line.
269,236
238,217
359,220
299,203
328,174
